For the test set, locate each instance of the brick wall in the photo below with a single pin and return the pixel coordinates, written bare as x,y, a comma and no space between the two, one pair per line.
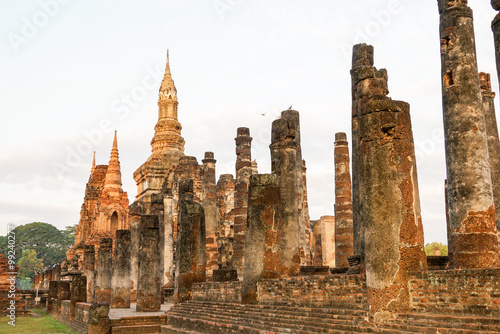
316,291
80,322
28,296
471,291
229,292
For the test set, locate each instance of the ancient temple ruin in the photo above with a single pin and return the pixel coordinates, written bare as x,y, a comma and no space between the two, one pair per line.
241,255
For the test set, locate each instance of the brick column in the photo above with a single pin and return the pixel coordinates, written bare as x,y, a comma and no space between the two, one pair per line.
148,287
243,172
78,293
120,279
390,211
362,69
493,141
470,197
304,245
63,293
135,213
52,296
343,203
284,165
191,244
262,247
88,270
210,207
56,272
225,221
102,289
168,253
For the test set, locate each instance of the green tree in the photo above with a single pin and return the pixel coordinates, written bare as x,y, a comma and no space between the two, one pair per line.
29,264
429,248
49,243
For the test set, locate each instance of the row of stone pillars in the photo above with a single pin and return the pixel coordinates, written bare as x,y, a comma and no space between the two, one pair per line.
387,226
111,280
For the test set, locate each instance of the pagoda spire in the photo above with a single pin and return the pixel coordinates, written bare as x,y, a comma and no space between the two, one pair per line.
113,178
167,88
167,138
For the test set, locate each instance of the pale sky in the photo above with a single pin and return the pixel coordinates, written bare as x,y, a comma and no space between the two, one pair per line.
73,71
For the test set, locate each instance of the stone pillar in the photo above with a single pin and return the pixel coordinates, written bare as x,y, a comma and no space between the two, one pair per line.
78,293
135,213
120,279
262,247
52,296
470,196
168,253
448,225
102,288
225,221
493,141
99,322
307,218
390,211
362,71
88,269
56,272
495,27
210,207
292,116
191,244
243,173
148,288
158,209
63,293
284,165
343,203
317,253
328,249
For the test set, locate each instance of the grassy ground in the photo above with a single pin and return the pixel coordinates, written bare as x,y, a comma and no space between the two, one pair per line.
41,323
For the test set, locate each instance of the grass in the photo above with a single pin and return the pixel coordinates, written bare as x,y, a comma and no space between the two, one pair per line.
44,324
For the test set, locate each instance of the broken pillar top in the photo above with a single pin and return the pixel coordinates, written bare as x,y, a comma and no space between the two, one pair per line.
105,243
448,4
209,158
362,55
484,81
290,113
340,137
283,132
226,178
495,4
242,132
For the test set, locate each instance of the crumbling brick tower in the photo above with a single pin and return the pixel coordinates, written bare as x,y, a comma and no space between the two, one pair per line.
105,208
473,232
389,202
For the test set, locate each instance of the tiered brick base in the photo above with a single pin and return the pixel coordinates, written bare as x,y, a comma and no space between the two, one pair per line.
452,301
